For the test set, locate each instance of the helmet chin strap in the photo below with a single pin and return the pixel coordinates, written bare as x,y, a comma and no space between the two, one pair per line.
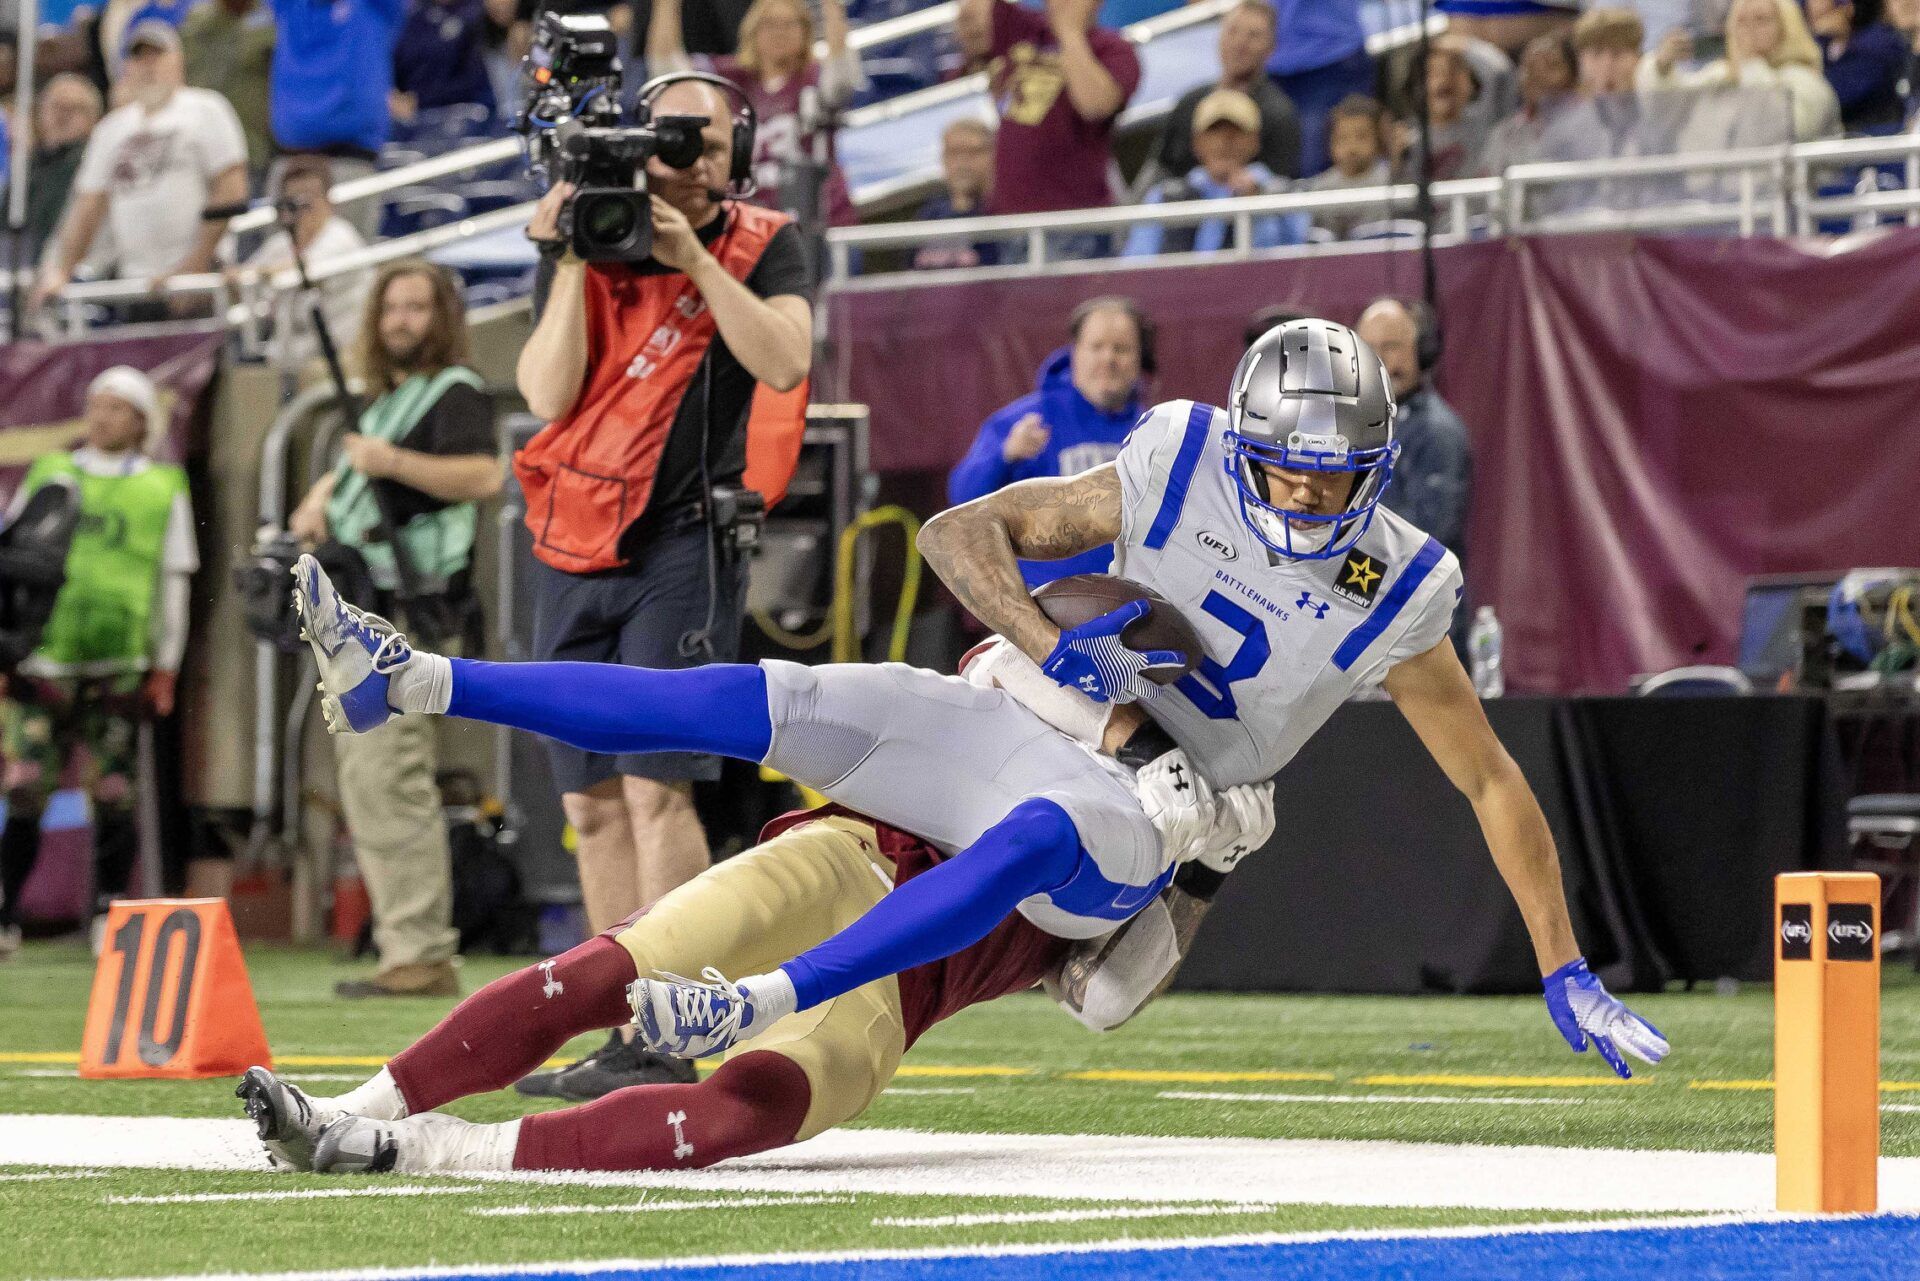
1307,536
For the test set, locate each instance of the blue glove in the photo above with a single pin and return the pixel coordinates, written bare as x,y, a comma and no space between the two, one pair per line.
1092,658
1582,1010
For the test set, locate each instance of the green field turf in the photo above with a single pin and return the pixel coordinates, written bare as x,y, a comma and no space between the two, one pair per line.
1015,1066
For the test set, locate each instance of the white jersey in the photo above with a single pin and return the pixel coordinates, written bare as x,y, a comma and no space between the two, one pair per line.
1287,641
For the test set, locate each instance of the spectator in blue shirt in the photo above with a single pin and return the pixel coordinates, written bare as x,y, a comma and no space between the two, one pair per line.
1319,58
1432,480
1226,140
1865,60
331,83
440,59
1086,401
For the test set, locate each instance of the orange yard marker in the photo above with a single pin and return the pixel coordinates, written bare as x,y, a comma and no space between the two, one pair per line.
170,995
1826,1041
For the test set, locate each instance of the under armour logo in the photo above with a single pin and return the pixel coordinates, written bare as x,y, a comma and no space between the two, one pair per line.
681,1148
1179,774
553,986
1306,601
1088,682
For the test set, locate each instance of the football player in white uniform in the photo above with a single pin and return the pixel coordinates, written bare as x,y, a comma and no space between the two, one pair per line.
1040,785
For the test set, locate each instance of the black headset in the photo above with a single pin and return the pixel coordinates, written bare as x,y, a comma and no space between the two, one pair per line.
1427,344
1142,323
746,123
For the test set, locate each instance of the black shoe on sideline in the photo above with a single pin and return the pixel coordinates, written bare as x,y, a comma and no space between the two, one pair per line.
546,1085
619,1065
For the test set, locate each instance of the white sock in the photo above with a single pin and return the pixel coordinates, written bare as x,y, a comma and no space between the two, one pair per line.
435,1143
425,684
773,999
377,1100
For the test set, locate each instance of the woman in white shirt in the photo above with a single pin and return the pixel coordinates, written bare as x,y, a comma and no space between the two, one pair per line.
1768,45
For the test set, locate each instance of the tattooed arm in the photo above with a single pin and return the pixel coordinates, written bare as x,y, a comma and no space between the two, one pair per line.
976,547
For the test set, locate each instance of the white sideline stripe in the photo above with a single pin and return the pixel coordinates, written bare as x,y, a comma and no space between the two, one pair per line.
355,1077
1071,1216
1124,1169
1231,1096
930,1089
650,1207
56,1074
314,1194
50,1174
1021,1250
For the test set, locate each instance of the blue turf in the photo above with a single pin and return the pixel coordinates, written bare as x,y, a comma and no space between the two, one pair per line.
1882,1247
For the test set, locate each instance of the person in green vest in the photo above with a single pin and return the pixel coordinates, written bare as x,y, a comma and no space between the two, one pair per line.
424,454
111,650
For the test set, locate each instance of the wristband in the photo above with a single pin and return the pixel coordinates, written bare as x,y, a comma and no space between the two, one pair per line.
1147,744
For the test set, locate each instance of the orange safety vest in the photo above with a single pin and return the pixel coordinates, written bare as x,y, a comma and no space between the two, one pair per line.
589,474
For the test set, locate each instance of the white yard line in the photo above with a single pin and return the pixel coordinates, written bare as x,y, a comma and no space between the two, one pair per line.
651,1207
1115,1168
1024,1250
42,1177
1189,1210
1235,1096
928,1089
313,1194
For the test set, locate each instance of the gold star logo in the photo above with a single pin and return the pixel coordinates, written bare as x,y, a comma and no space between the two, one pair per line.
1361,573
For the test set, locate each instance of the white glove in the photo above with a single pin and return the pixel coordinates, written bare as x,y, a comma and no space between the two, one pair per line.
1243,823
1179,803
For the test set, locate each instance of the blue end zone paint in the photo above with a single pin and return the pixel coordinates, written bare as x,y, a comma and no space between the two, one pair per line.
1851,1248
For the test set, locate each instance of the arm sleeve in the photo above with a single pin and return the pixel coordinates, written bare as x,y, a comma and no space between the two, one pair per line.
782,268
1123,970
170,621
1426,621
1122,63
96,162
1145,462
460,422
226,141
985,468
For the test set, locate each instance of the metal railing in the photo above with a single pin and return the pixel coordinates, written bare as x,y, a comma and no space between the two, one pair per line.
1770,190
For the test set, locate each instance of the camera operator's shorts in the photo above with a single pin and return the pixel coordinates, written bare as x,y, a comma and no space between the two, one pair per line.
636,616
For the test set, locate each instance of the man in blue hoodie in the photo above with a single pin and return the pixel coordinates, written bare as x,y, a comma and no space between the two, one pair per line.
330,82
1084,403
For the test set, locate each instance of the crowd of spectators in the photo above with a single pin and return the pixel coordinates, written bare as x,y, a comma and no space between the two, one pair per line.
141,102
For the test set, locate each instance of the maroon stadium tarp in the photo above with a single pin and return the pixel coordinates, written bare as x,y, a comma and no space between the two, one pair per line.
1653,418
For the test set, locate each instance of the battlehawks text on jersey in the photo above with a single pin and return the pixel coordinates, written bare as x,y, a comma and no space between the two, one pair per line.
1287,641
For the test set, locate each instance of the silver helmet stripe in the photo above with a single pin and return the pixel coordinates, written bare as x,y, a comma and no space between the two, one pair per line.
1319,416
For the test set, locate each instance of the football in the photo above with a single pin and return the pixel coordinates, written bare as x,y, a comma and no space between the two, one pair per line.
1071,601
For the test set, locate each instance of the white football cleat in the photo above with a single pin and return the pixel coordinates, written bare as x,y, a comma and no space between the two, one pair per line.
358,652
288,1122
430,1143
687,1018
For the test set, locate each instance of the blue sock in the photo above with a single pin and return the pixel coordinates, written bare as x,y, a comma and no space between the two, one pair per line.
1034,849
600,707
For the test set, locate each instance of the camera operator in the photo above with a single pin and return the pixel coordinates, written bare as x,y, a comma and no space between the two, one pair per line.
421,457
647,371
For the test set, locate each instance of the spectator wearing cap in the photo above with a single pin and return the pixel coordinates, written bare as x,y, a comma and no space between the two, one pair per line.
1320,57
308,222
64,115
112,648
151,168
1353,136
440,59
113,28
1457,116
1226,142
1865,60
229,46
332,86
1087,398
966,179
1547,75
1059,83
1247,37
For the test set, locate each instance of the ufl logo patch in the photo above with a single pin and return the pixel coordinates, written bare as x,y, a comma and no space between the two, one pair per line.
1215,543
1360,577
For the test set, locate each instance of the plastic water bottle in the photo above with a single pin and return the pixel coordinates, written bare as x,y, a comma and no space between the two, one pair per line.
1483,648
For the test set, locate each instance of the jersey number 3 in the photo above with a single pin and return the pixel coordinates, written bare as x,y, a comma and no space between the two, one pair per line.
1211,687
